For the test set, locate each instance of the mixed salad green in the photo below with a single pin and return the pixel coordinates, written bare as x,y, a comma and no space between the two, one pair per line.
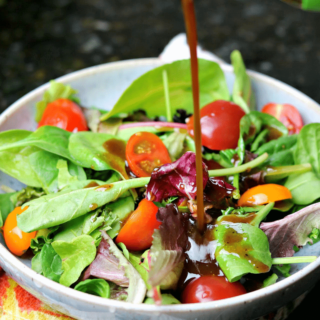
110,202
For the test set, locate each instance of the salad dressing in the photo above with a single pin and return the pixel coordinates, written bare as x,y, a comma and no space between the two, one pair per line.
190,23
116,155
91,185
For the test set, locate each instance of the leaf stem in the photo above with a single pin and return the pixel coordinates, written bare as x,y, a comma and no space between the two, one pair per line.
244,167
277,173
166,95
261,214
289,260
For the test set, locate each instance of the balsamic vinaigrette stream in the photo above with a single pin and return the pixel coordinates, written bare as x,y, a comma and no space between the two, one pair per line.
200,259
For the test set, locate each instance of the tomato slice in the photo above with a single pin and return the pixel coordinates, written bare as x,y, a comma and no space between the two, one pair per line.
144,152
220,122
211,288
16,240
287,114
64,114
137,232
263,194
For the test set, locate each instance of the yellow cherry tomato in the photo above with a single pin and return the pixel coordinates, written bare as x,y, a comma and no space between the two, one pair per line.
16,240
263,194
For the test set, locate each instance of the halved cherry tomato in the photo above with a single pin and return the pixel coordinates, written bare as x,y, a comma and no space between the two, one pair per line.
263,194
137,232
64,114
16,240
287,114
211,288
219,125
144,152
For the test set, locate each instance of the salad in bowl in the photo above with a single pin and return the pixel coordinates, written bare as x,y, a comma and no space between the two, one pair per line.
109,205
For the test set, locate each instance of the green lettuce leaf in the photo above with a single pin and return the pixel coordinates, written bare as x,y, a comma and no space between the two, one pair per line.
55,209
44,236
56,91
241,249
168,248
137,288
51,263
146,92
97,287
175,144
76,255
242,93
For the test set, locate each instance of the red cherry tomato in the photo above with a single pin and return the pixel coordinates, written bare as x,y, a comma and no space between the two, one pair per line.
16,240
211,288
219,125
64,114
287,114
137,232
144,152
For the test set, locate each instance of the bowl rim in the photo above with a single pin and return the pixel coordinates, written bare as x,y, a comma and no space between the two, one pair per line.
41,281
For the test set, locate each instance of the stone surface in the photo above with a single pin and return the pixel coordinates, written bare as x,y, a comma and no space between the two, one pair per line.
43,40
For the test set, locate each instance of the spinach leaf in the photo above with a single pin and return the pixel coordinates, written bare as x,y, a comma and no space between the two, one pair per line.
51,263
75,255
270,122
48,138
304,188
280,151
43,237
98,151
308,147
242,93
278,145
97,287
52,171
16,163
167,298
146,92
56,91
241,249
6,206
55,209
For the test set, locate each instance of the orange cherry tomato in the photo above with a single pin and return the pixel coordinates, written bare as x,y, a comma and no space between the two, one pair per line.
16,240
220,121
64,114
137,232
211,288
144,152
263,194
287,114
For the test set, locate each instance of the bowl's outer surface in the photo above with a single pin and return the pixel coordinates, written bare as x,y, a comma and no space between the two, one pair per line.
101,86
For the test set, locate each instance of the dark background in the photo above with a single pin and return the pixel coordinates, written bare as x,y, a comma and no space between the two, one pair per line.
41,40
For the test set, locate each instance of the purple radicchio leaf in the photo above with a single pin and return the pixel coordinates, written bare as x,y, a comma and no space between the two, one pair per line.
106,266
176,179
168,248
218,193
293,230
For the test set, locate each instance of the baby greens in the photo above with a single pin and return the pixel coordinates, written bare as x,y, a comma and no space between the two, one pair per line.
147,91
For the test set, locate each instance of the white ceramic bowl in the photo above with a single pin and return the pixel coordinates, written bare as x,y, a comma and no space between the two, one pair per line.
100,87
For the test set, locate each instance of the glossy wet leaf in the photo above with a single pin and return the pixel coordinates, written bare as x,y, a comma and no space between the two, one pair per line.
241,249
51,263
